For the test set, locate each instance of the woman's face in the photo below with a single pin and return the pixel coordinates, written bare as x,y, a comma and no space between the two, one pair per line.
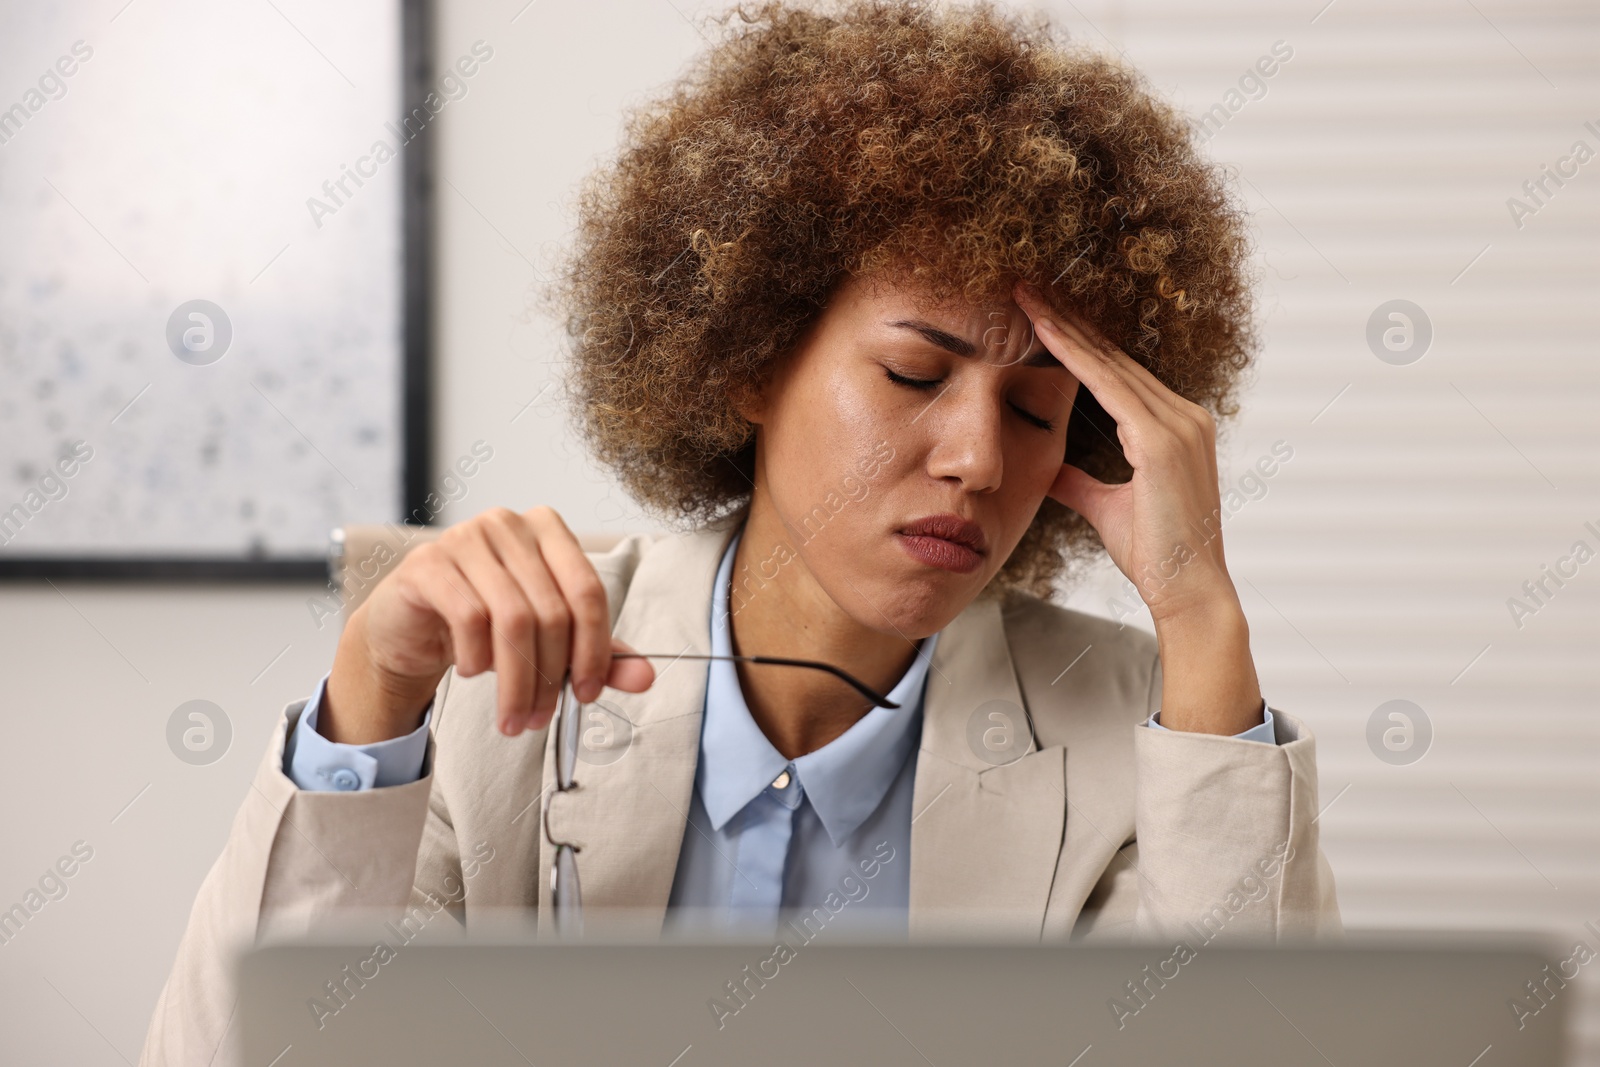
891,411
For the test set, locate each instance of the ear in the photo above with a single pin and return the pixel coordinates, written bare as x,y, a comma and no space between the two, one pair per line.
750,402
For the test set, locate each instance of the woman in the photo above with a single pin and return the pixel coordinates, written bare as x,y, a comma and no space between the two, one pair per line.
903,310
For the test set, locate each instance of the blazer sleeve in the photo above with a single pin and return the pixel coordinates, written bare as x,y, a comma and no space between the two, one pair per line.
293,858
1226,835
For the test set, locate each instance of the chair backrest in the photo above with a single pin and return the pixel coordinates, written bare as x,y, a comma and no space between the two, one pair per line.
360,554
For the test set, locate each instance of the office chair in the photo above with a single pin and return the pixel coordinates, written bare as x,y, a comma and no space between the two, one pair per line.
360,554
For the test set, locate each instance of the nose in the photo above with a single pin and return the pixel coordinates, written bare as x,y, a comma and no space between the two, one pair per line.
965,424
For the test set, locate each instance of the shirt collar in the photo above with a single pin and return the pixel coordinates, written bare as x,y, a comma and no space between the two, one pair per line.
845,779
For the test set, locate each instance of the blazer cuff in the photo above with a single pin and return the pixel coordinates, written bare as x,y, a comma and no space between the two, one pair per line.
1231,827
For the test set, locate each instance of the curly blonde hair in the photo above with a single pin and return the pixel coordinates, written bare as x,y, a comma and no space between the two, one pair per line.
956,148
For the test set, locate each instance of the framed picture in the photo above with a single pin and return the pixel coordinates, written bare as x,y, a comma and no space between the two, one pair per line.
214,285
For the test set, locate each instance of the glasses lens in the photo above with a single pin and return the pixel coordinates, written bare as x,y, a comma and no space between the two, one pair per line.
568,719
564,891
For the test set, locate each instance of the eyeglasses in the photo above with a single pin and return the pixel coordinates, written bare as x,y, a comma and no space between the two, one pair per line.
565,895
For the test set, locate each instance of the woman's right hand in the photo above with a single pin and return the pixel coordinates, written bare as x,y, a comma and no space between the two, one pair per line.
503,592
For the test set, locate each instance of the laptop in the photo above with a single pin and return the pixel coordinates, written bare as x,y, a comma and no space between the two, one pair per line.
672,1004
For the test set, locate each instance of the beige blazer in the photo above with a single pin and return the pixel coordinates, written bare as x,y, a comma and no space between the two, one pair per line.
1103,829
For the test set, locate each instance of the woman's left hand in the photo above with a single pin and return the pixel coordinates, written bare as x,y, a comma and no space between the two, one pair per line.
1162,528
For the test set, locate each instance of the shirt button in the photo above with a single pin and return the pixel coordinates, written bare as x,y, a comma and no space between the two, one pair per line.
344,779
782,781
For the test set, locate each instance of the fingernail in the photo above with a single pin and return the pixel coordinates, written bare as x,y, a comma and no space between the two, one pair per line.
587,690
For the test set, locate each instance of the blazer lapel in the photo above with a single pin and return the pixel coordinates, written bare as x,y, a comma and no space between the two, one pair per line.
629,811
985,838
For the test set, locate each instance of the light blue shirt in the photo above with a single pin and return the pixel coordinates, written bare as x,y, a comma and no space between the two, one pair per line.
313,762
820,840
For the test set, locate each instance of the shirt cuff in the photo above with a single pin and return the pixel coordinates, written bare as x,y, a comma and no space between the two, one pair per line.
1266,733
316,764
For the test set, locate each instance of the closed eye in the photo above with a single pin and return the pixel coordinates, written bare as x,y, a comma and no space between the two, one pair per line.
915,383
925,384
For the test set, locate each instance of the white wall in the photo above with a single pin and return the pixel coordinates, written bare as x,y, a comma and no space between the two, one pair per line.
1376,567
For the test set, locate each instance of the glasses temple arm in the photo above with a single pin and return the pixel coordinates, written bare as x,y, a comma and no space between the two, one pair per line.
866,691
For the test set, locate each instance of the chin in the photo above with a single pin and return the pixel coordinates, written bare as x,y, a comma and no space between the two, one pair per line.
912,601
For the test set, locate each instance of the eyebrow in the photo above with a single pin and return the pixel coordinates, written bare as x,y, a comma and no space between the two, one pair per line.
960,346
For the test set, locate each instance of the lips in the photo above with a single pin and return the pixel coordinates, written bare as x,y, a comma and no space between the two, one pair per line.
945,541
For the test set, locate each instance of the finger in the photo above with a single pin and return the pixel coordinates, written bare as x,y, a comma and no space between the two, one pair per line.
518,549
584,594
1147,385
1085,333
1108,373
1176,411
449,594
1167,406
1084,493
552,619
1122,399
513,624
629,675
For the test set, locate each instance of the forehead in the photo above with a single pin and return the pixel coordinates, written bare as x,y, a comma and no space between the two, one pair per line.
992,327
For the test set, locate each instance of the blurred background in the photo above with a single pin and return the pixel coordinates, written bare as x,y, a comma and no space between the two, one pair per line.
1414,515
